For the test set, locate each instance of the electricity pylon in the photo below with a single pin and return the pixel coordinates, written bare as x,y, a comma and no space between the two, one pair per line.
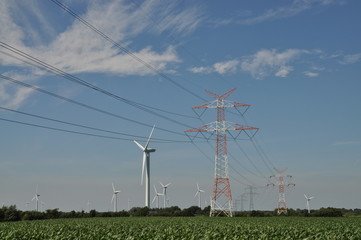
221,200
251,193
282,206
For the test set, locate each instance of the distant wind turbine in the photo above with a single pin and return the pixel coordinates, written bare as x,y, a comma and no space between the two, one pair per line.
36,197
165,193
146,166
308,199
199,192
87,206
114,198
157,194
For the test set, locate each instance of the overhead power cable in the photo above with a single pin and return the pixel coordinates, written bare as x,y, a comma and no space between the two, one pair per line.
63,130
72,78
158,140
84,105
122,48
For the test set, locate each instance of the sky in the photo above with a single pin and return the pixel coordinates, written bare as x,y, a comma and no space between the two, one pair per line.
75,94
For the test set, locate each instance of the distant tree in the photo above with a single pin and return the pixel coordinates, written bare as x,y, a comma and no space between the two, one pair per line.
328,212
12,214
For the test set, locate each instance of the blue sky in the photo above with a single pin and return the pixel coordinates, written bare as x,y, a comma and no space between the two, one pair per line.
297,63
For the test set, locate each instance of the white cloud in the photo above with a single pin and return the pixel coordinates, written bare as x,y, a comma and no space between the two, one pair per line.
225,67
12,96
266,62
351,58
201,70
219,67
297,7
78,49
348,143
311,74
284,71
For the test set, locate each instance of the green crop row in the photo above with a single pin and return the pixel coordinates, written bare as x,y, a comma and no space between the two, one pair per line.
184,228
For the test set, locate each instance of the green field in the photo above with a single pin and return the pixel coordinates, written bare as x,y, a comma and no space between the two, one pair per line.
184,228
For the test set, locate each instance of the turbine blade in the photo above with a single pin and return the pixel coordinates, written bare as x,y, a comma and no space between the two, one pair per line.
162,184
146,145
167,184
155,189
197,187
112,198
113,187
305,196
311,198
139,145
143,165
201,190
196,194
154,198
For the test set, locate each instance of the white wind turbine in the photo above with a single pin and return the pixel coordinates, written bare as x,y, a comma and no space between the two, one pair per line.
115,192
165,193
308,202
36,197
156,196
199,192
146,165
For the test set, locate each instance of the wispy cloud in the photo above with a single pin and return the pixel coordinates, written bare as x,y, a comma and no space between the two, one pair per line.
219,67
225,67
296,7
12,96
350,58
311,74
78,49
266,62
348,143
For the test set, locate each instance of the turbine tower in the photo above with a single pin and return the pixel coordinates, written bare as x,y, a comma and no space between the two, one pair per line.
36,197
165,193
308,199
157,194
199,193
221,200
146,166
115,192
282,206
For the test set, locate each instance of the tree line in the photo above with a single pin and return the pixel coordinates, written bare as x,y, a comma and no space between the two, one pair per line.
11,213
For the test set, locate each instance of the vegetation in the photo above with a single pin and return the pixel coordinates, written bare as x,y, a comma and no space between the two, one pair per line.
184,228
9,214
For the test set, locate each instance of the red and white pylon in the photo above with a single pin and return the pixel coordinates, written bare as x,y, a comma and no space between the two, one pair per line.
282,205
221,200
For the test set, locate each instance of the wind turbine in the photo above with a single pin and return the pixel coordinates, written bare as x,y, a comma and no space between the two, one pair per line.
156,196
146,165
308,202
87,206
36,197
115,192
165,192
199,192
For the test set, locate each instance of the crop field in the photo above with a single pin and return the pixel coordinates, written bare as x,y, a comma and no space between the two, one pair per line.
184,228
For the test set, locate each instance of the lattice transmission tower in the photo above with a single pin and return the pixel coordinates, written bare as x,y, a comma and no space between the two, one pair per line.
281,182
221,199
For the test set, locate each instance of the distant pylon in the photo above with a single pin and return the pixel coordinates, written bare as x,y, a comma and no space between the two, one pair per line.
282,205
251,193
221,200
243,199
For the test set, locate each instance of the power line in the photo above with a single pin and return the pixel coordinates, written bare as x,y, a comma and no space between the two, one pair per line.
125,50
72,78
84,105
63,130
158,140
